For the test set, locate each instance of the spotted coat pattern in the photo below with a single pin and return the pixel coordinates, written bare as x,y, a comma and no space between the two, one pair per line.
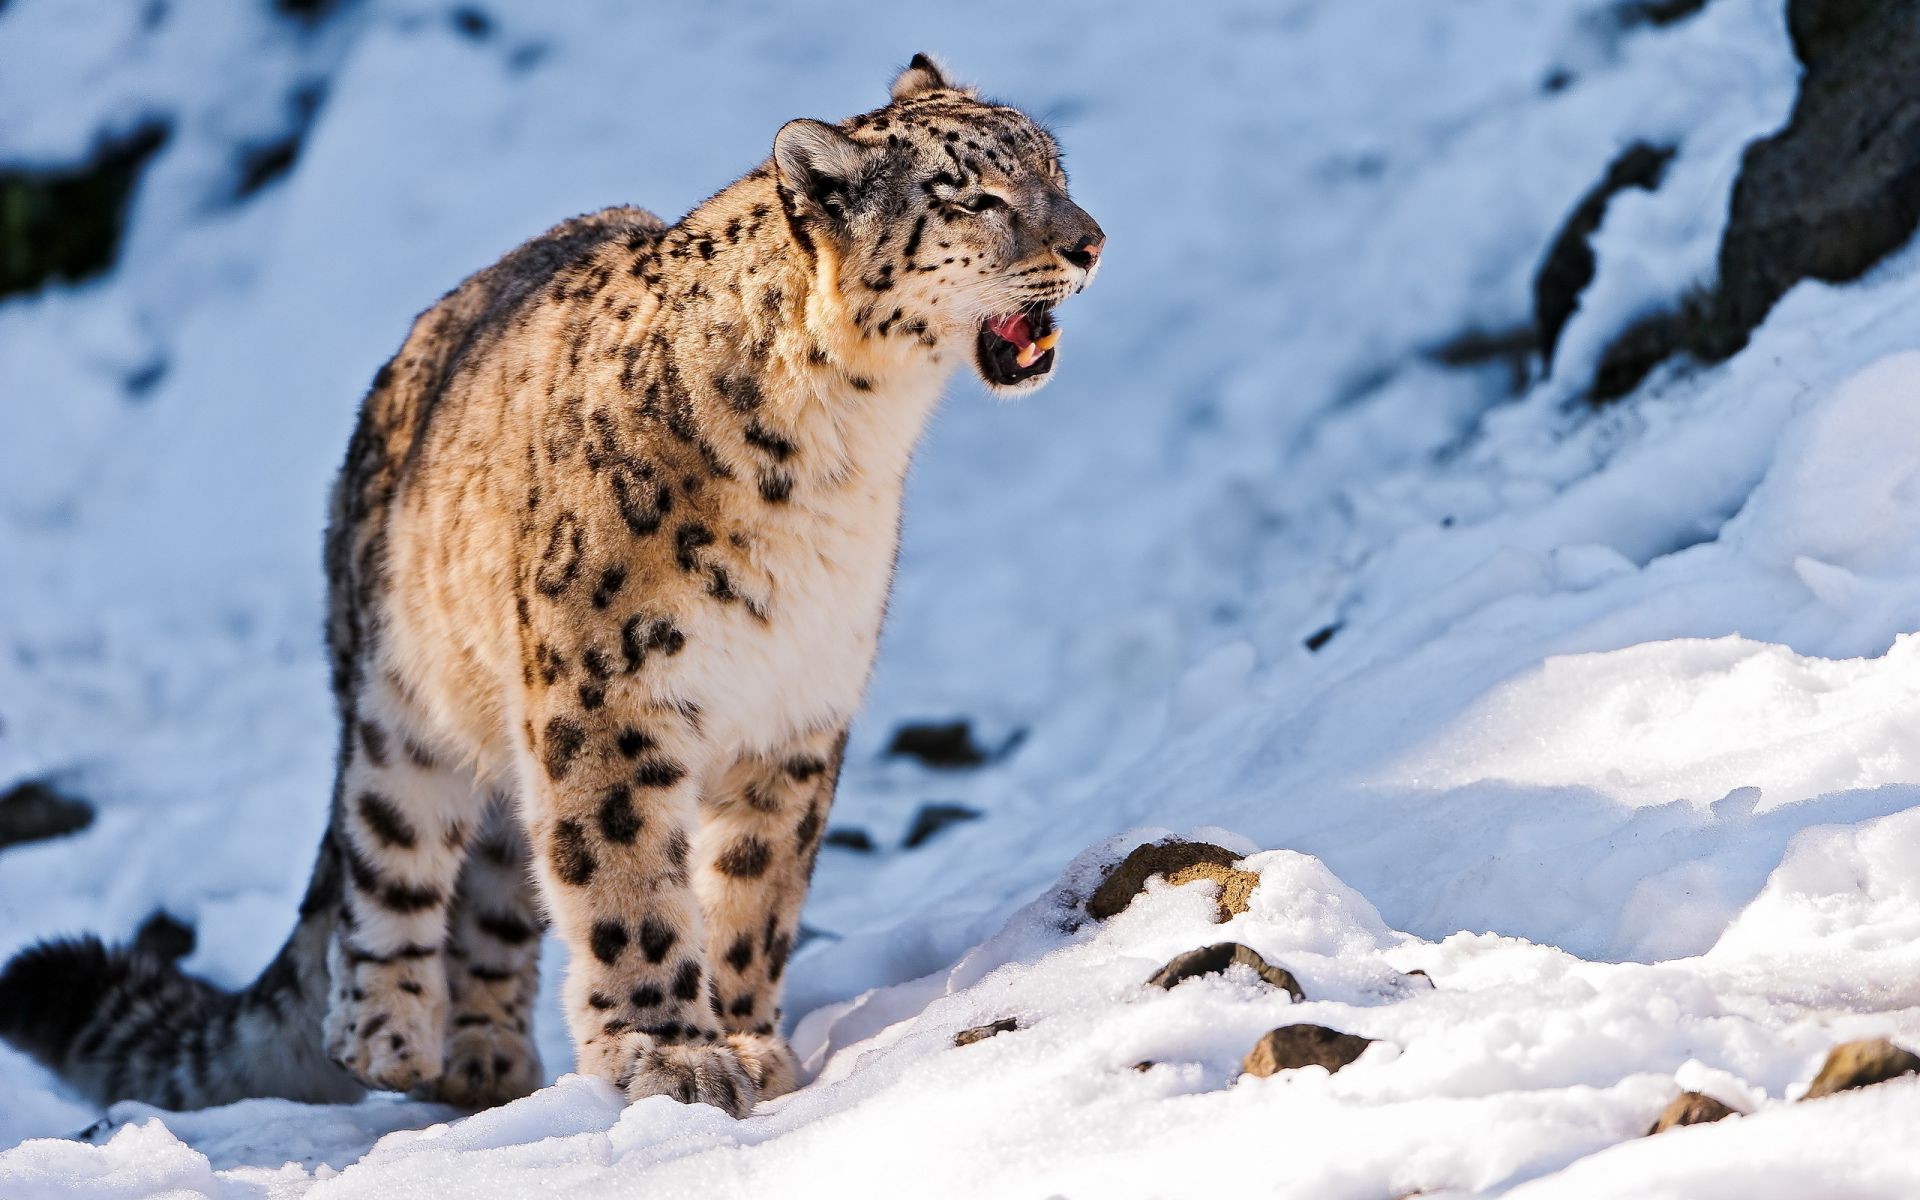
608,559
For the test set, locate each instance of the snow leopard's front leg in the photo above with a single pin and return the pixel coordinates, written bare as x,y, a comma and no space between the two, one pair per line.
611,817
760,833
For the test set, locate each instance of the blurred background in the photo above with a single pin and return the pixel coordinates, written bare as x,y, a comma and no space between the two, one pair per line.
1391,292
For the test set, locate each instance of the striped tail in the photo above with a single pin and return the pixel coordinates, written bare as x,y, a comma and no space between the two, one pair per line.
127,1024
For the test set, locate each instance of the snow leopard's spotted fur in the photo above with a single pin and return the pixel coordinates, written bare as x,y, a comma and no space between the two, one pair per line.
608,560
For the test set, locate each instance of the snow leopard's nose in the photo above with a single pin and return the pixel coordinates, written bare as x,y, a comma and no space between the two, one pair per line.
1085,252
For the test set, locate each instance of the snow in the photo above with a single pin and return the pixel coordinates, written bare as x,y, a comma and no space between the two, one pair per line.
1613,738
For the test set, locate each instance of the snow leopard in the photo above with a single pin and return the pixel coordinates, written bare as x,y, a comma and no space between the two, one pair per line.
607,563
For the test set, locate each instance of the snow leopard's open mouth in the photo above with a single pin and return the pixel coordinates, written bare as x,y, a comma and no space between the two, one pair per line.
1016,347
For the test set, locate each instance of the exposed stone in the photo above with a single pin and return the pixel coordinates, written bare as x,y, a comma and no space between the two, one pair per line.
849,838
1511,349
65,224
1861,1064
1839,187
948,745
980,1033
1691,1108
1656,12
1215,959
1318,639
34,811
933,818
1236,886
1292,1046
1568,266
1826,197
1166,858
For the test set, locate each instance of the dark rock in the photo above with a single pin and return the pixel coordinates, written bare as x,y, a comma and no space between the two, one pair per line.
948,745
1130,875
265,163
1656,12
66,224
1213,960
1320,637
1826,197
932,818
849,838
1839,187
1236,886
1292,1046
980,1033
1568,266
1691,1108
472,22
1861,1064
1510,348
1635,352
1423,977
164,936
33,811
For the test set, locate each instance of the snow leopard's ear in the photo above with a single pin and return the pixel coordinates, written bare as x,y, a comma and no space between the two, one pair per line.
921,75
821,163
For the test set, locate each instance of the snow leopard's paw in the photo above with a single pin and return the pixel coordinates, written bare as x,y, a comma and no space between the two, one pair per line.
769,1061
386,1024
692,1073
485,1065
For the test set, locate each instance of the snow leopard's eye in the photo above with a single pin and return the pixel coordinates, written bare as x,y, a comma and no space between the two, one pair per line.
981,202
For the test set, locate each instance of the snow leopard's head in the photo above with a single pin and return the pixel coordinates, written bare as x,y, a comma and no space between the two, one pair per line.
950,222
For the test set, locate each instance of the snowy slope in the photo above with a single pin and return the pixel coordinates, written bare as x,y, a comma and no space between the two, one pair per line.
1622,695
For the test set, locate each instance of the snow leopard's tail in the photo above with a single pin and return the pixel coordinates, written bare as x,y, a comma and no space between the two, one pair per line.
126,1023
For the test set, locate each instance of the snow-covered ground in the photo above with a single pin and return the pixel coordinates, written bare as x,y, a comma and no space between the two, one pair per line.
1616,738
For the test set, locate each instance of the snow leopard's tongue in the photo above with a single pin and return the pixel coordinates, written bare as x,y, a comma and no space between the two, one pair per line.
1013,328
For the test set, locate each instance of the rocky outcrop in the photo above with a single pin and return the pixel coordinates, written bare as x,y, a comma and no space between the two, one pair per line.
35,810
1178,862
1861,1064
1214,960
980,1033
1691,1108
1825,197
1293,1046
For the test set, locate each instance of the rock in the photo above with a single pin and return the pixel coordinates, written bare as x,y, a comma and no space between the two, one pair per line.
65,223
932,818
1165,858
1320,637
947,745
1292,1046
1635,351
1861,1064
1691,1108
33,811
1656,12
1839,187
1568,266
1423,977
1511,349
980,1033
848,838
1213,960
1826,197
1236,886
